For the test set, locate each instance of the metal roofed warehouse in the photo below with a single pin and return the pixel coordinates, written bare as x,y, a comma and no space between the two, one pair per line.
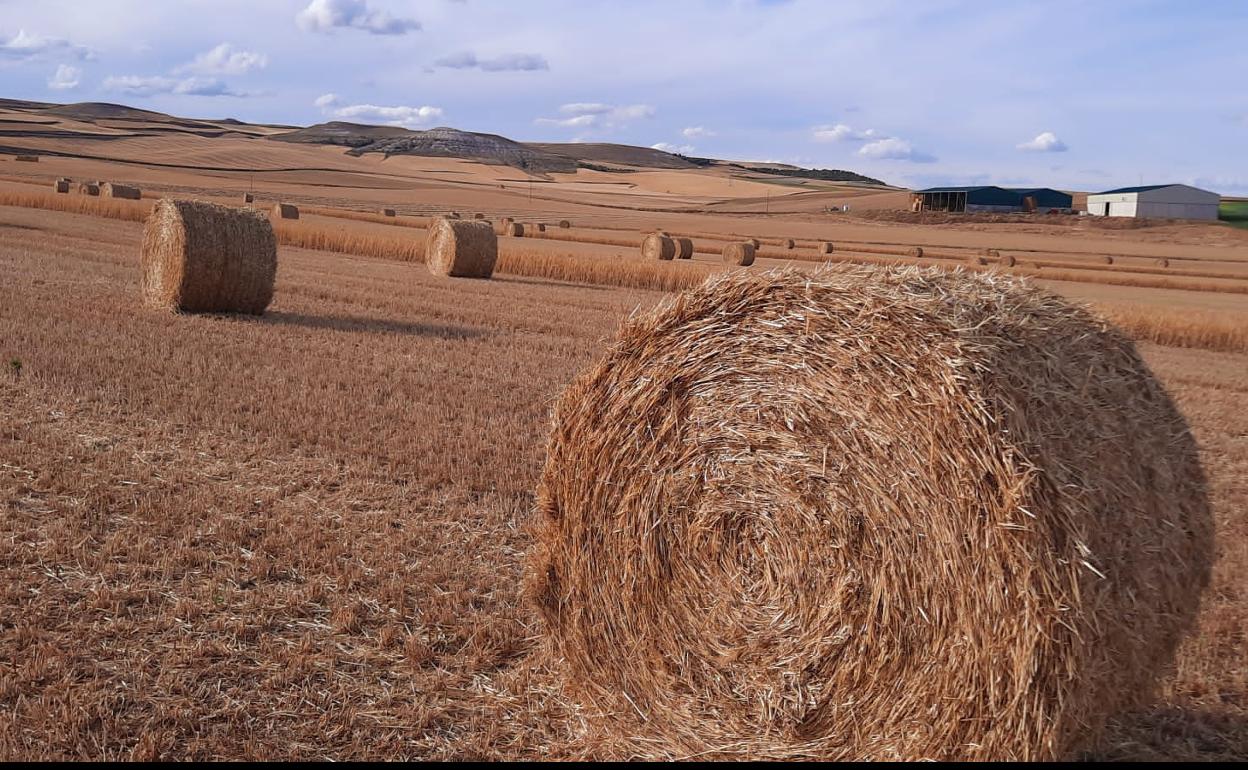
992,199
1164,201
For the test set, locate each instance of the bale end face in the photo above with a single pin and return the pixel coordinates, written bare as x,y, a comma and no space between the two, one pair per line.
512,230
565,224
202,257
656,246
387,212
826,247
61,186
461,248
248,198
741,254
684,248
789,243
121,191
749,536
285,211
88,188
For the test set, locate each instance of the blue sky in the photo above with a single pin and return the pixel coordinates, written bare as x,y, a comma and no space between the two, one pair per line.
1069,94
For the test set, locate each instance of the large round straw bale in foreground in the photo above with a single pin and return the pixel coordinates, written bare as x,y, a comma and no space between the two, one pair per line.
867,513
285,211
656,246
125,192
202,257
739,253
461,248
684,248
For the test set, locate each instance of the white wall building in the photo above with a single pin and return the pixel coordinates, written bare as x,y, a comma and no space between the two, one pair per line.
1163,201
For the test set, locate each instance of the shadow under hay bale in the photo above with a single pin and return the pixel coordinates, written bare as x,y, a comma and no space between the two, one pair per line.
741,254
122,191
285,211
657,246
461,248
684,248
867,513
203,257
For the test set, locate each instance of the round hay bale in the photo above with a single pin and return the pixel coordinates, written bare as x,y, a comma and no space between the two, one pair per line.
990,253
789,243
1163,262
916,251
122,191
565,224
61,186
1108,260
655,246
461,248
513,229
248,198
826,247
1008,260
26,158
756,243
478,216
867,513
387,212
684,248
739,253
981,261
203,257
453,215
285,211
65,179
88,188
541,227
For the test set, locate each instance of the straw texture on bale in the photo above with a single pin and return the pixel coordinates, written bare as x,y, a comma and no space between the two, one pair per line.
866,513
125,192
248,198
61,186
655,246
826,247
915,251
684,248
461,248
565,224
739,253
203,257
756,243
285,211
387,212
88,188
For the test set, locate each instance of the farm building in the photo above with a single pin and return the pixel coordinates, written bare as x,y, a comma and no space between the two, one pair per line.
992,199
1168,201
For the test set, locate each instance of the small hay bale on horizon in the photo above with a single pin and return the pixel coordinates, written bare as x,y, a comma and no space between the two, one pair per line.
1108,260
740,253
684,248
120,191
387,212
61,186
866,513
478,215
204,257
565,224
656,246
461,248
285,211
915,251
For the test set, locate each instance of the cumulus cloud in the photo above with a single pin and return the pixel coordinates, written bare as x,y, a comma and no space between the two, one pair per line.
508,62
1045,142
586,108
683,149
65,78
134,85
328,15
24,46
598,115
578,121
840,133
401,116
696,132
225,59
893,148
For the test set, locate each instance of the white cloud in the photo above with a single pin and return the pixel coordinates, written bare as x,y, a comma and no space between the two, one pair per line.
328,15
225,59
1045,142
134,85
695,132
684,149
508,62
893,148
326,100
65,78
841,132
404,117
579,121
598,115
24,46
633,111
586,108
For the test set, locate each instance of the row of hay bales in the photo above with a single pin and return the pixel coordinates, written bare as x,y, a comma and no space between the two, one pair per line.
97,189
663,246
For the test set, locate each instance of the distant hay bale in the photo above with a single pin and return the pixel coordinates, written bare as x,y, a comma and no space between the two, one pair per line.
655,246
541,227
1108,260
1009,261
565,224
1163,262
867,512
915,251
461,248
203,257
990,253
508,220
478,216
741,253
756,243
124,192
65,179
61,186
453,215
285,211
826,247
387,212
248,198
789,243
513,229
88,188
981,261
684,248
27,158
